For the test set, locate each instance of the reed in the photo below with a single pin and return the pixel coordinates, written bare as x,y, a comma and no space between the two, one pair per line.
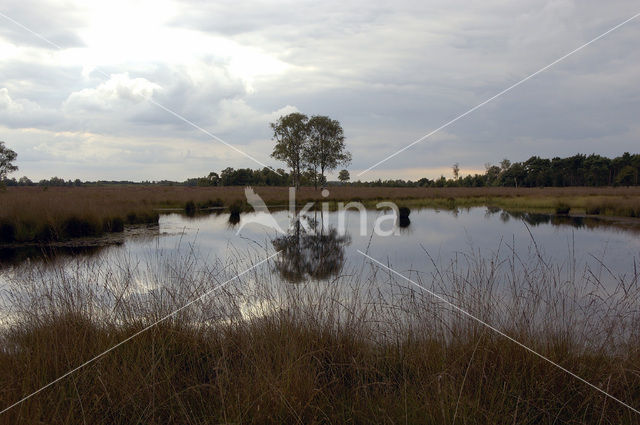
33,214
363,348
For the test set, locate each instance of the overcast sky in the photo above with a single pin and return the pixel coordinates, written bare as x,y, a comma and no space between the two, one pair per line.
390,72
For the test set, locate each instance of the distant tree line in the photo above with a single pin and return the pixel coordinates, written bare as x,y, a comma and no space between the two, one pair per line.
577,170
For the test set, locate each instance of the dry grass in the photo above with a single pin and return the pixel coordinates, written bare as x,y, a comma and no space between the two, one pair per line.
365,348
34,214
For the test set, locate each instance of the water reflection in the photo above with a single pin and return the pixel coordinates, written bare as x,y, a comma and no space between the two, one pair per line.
578,222
234,218
11,256
319,255
17,254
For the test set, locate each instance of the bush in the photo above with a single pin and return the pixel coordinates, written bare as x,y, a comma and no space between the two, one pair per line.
7,232
115,224
75,227
451,203
190,208
562,208
236,208
46,233
592,209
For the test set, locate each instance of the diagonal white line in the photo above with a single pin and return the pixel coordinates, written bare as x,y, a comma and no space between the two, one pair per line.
166,109
498,331
208,133
137,333
40,36
480,105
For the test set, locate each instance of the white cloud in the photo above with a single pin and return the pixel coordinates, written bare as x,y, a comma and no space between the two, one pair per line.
7,104
119,91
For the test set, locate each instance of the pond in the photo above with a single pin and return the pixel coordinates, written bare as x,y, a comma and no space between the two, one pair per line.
432,239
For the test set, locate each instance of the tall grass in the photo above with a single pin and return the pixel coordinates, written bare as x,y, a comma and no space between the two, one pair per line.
366,347
33,214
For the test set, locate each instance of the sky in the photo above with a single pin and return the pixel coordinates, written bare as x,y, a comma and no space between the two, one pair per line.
135,89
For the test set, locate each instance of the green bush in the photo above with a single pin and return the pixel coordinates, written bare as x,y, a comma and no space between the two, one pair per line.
562,208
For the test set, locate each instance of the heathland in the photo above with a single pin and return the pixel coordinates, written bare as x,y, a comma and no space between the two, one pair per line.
362,348
45,214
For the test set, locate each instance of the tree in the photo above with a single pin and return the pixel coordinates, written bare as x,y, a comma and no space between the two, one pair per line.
456,171
505,164
626,176
344,176
25,181
325,149
291,134
7,156
213,179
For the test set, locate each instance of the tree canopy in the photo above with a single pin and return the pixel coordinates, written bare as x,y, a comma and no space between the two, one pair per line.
325,150
7,156
315,145
291,134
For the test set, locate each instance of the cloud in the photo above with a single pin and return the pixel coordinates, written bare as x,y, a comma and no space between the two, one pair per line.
389,73
120,91
57,24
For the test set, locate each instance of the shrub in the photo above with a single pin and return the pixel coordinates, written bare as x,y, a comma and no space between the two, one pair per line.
236,208
115,224
593,209
451,203
75,227
46,233
132,218
562,208
7,232
190,208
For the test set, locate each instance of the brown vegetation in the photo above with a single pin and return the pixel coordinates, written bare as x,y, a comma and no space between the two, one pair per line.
58,213
361,349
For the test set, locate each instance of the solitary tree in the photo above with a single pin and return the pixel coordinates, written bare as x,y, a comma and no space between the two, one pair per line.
7,156
291,134
325,150
456,171
344,176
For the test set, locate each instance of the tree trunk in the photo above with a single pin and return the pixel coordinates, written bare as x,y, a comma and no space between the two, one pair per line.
315,178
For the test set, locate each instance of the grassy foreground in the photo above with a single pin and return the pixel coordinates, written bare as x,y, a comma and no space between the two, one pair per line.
32,214
362,349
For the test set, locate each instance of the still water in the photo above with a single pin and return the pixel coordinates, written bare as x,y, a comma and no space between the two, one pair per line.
432,239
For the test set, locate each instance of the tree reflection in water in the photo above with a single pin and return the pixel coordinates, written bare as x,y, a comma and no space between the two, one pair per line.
319,255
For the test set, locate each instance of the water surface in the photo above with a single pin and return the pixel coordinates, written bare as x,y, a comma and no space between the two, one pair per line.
432,239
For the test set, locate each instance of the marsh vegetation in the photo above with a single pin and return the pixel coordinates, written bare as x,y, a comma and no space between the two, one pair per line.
37,215
364,346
